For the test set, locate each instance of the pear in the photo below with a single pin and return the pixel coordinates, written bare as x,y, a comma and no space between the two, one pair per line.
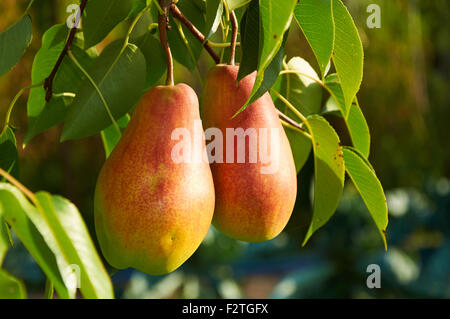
254,198
152,210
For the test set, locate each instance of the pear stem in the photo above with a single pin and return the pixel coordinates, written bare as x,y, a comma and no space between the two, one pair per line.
234,34
195,32
163,24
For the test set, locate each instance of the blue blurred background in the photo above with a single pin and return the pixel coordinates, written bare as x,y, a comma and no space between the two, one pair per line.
405,98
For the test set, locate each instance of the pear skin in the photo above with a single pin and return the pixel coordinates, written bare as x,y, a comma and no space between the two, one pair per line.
250,205
151,212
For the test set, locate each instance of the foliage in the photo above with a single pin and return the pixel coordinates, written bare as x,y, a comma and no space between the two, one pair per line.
94,93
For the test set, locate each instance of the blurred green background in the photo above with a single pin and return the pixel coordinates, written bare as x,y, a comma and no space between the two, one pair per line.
405,96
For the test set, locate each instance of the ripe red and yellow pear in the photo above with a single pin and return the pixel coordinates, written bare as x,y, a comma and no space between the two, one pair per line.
250,205
152,213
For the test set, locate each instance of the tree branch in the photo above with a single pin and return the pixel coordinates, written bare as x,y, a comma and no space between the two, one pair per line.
188,24
48,82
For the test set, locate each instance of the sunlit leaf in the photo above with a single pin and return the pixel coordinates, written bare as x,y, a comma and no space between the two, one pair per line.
11,287
359,130
369,187
14,208
301,88
316,21
348,53
329,172
306,96
4,239
355,121
72,236
234,4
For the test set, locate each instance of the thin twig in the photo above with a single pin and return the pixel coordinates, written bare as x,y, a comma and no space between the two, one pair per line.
234,34
305,75
290,106
225,31
221,45
48,83
163,24
160,10
295,111
13,103
188,24
292,123
186,43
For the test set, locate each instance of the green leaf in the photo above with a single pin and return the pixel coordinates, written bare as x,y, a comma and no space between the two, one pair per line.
249,40
138,6
359,130
14,208
329,172
71,235
334,87
214,11
271,73
234,4
275,18
369,187
43,115
306,96
67,80
302,89
4,240
176,42
44,61
101,16
111,137
11,287
9,156
355,121
348,53
301,147
121,79
13,43
154,57
316,21
52,114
